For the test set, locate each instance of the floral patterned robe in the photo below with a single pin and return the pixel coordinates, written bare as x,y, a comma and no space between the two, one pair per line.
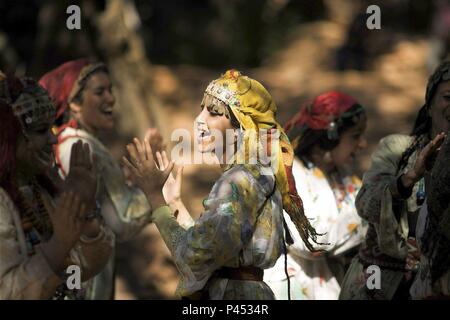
241,226
332,212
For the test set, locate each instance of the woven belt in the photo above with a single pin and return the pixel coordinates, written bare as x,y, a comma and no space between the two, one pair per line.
248,273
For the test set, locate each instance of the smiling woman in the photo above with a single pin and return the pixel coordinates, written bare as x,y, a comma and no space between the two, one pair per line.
327,134
93,105
222,255
42,232
82,91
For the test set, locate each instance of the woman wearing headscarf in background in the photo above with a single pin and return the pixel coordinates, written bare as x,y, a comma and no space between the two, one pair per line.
43,230
240,233
392,194
82,92
326,136
433,224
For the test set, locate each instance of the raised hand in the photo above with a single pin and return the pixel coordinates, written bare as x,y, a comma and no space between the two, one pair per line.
424,161
82,177
55,178
172,187
156,141
67,220
144,171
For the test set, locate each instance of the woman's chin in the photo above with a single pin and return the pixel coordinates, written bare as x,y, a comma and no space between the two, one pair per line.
106,125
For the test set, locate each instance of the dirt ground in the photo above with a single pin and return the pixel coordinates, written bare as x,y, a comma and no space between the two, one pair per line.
392,92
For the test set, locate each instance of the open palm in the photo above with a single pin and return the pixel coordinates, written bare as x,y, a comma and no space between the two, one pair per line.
144,171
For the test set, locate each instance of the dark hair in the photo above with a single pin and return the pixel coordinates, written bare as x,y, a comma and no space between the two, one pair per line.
10,132
234,122
312,137
78,98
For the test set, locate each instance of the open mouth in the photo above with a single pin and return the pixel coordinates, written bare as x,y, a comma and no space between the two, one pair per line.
107,112
203,135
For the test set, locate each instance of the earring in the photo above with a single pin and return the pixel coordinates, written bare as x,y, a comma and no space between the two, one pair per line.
327,156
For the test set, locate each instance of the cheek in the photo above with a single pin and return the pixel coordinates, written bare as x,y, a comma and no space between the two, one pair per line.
343,152
91,107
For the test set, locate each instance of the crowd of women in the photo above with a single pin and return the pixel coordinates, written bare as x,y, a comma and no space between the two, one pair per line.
303,226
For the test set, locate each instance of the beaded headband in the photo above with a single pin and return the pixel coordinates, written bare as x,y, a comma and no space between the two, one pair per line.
33,105
224,94
84,73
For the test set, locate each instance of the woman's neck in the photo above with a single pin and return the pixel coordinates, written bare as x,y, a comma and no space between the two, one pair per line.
228,159
87,128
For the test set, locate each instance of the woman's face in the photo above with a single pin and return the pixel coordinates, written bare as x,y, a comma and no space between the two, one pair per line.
209,126
351,141
35,154
95,111
440,109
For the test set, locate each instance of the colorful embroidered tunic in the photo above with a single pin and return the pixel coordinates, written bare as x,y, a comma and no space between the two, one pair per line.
241,226
24,270
332,211
125,210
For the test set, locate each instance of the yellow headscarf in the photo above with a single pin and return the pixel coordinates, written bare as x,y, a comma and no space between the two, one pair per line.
254,108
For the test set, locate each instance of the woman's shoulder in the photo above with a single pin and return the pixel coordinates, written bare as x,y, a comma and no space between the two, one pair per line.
69,136
255,175
390,148
396,141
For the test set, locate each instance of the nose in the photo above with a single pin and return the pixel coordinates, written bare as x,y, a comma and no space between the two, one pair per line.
110,99
201,118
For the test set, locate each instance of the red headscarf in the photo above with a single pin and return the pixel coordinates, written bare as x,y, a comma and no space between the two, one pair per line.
60,82
322,111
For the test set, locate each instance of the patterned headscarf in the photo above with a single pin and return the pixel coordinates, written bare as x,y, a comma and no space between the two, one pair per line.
30,102
66,81
254,108
326,112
